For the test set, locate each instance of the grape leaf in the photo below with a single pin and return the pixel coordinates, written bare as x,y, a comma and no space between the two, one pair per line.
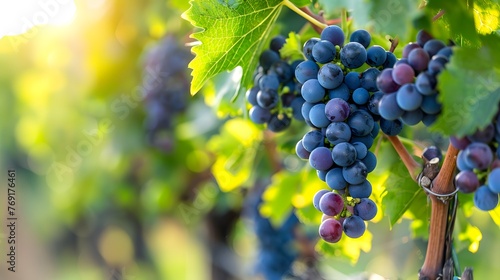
233,34
292,49
460,18
347,248
301,3
392,183
469,91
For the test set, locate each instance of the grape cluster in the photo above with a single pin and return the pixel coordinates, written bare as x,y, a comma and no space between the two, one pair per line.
276,252
478,163
166,89
410,87
341,107
275,97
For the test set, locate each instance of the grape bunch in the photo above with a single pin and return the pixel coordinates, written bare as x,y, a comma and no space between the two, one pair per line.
478,163
341,107
274,98
166,89
410,87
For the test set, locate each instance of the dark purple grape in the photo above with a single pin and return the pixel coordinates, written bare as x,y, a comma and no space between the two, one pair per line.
422,37
331,204
466,181
279,122
308,47
337,110
330,230
361,36
385,81
355,173
460,143
259,115
321,158
334,34
362,190
366,209
484,135
403,74
353,55
344,154
478,155
300,151
408,48
418,59
354,226
277,43
485,199
335,180
432,152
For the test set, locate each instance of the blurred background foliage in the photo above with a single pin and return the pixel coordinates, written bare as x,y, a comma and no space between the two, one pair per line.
99,197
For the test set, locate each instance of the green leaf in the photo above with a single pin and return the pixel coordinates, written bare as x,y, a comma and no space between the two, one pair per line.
348,248
392,182
233,34
469,91
277,199
301,3
292,49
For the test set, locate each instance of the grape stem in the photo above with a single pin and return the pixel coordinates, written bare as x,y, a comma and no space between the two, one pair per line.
411,164
442,184
309,17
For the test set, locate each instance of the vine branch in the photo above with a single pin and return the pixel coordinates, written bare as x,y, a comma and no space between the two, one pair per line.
309,17
411,164
442,184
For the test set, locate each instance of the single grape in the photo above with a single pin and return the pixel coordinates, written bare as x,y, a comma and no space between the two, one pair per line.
338,132
269,82
322,174
403,74
422,37
366,209
306,70
478,155
446,52
308,47
391,128
323,51
433,46
361,123
494,180
335,180
437,64
374,101
312,91
360,96
321,158
432,152
485,199
353,55
385,81
341,92
355,173
331,204
300,151
337,110
330,76
259,115
279,122
412,117
312,140
318,117
375,56
352,80
334,34
363,190
370,161
277,43
361,36
251,95
390,61
330,230
369,79
426,83
354,226
408,97
462,164
430,104
344,154
282,70
361,149
388,107
267,99
466,181
319,194
418,59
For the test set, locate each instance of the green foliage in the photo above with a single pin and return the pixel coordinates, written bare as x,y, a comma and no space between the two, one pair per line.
233,34
469,91
293,47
